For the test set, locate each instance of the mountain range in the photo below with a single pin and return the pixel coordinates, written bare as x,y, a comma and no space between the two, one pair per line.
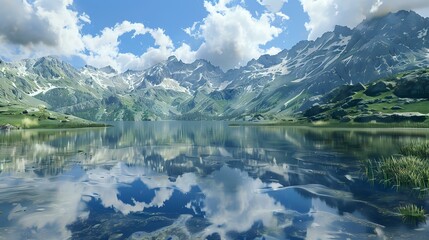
270,87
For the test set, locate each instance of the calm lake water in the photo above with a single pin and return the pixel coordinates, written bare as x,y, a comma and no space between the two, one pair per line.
200,180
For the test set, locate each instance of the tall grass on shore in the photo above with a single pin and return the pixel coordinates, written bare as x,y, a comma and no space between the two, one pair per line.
409,170
420,150
400,172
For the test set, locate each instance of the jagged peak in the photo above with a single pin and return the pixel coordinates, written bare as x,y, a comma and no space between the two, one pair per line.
130,71
391,17
172,58
402,13
49,59
207,63
343,30
90,67
108,69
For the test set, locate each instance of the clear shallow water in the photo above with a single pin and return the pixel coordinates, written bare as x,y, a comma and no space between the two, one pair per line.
197,180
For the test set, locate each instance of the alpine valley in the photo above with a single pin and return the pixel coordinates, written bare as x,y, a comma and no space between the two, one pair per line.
273,87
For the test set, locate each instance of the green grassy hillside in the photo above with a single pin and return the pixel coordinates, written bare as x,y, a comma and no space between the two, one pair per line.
403,98
14,116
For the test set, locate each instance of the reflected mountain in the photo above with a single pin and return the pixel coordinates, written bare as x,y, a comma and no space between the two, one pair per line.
199,180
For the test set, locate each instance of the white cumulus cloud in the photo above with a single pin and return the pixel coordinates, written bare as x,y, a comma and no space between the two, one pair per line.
283,16
273,50
232,36
325,14
38,28
103,49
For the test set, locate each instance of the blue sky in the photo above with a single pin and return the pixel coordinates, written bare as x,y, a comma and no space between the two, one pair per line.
174,16
136,34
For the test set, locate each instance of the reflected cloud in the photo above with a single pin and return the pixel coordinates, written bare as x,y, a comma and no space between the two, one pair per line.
232,180
233,203
53,205
327,224
103,185
46,211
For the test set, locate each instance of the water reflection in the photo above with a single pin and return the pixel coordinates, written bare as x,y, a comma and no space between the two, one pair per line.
198,180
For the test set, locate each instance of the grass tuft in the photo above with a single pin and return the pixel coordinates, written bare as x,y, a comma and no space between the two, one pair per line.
420,150
402,171
412,214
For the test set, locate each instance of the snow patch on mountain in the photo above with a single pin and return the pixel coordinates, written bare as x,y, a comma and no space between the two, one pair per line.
422,33
344,41
99,77
347,60
299,79
223,85
133,80
42,90
171,84
21,70
279,69
258,71
293,99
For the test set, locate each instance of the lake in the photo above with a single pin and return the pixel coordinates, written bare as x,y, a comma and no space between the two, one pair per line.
201,180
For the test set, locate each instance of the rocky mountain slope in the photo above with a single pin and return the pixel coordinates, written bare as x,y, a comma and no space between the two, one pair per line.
271,87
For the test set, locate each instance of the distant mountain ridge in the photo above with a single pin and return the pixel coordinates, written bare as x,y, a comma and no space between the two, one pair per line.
271,86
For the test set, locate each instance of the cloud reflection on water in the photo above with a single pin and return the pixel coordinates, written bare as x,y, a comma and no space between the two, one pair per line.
267,181
231,202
